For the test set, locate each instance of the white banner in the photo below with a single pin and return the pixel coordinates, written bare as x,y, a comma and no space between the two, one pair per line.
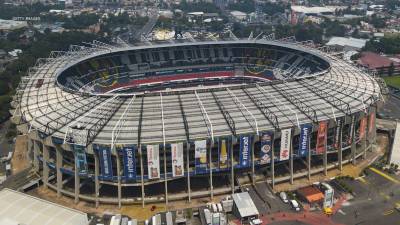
177,159
285,144
153,161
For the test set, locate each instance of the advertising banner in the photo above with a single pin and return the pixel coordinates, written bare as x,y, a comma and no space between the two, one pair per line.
266,147
177,159
200,155
80,159
105,161
321,137
153,161
371,126
305,131
285,144
363,127
223,153
338,130
128,153
245,148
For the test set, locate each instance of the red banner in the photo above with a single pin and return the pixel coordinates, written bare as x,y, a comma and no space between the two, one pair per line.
363,125
321,137
371,124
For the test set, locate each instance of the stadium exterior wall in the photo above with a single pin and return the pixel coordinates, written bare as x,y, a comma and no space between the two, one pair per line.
45,164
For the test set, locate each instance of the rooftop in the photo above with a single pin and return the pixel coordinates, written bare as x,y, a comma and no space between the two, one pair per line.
245,204
20,208
347,42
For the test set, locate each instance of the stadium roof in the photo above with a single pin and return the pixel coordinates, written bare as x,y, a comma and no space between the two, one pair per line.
18,208
190,114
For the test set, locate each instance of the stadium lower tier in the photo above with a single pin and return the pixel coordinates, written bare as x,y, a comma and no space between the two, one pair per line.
131,174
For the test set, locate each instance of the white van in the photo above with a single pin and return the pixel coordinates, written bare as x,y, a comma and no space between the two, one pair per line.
295,205
284,197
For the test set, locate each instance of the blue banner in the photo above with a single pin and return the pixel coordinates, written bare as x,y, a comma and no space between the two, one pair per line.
266,147
245,148
105,161
80,159
128,153
305,131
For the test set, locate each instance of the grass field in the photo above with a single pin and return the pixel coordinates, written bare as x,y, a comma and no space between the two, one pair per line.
393,81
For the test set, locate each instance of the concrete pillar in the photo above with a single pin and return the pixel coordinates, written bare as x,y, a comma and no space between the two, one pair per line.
211,172
45,167
291,159
232,166
165,176
340,148
96,178
59,159
188,170
35,156
118,177
142,174
273,162
77,184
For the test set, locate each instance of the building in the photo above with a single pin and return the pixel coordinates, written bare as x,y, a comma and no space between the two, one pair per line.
380,64
181,119
298,13
347,44
10,25
19,208
244,207
239,16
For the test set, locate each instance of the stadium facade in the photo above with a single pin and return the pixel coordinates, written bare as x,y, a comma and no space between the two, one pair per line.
124,124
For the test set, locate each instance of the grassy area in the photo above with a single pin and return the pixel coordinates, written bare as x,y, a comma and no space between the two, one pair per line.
393,81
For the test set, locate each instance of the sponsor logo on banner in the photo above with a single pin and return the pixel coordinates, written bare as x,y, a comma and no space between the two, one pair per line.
80,159
129,162
153,161
363,126
338,130
351,131
223,154
285,144
266,147
105,161
371,126
245,148
201,155
177,159
321,137
305,131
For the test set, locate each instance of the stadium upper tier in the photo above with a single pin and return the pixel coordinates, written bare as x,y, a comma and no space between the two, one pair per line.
186,91
168,66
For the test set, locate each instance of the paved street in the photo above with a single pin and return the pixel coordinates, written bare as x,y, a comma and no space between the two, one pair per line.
376,195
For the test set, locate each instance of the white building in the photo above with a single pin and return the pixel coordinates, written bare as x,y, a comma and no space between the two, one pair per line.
347,44
8,25
238,15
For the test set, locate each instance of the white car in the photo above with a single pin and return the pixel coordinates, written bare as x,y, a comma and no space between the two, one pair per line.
295,205
256,222
284,197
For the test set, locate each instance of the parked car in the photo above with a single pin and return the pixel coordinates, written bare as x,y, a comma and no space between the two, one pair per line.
295,205
284,197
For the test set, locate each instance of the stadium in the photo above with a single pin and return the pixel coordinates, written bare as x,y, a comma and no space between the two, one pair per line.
178,120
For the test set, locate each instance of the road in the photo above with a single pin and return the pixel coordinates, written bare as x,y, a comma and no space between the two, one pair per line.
376,195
